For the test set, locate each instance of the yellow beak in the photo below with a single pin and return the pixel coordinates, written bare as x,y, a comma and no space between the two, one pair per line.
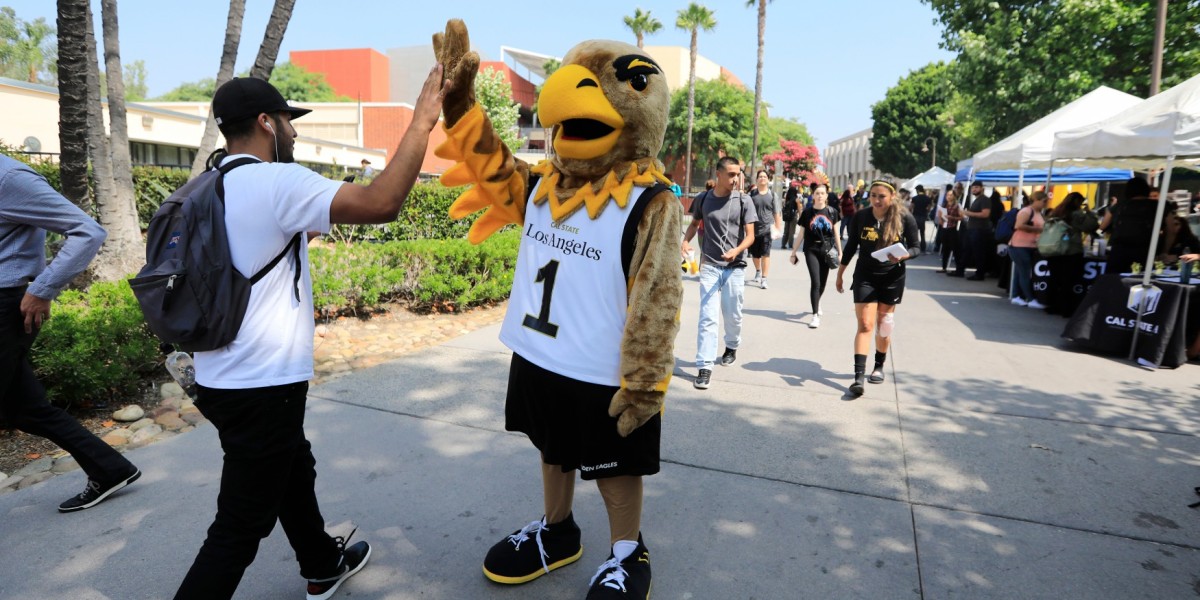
586,124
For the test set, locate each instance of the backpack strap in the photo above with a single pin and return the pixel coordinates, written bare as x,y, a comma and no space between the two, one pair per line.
629,236
293,245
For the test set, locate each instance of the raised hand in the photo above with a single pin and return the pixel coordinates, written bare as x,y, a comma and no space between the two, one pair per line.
460,65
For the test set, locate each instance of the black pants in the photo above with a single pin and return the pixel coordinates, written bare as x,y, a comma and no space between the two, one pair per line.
23,400
818,274
789,233
921,232
948,240
974,252
269,475
1066,273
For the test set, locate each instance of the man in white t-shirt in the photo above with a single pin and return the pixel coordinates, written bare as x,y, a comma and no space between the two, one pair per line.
254,389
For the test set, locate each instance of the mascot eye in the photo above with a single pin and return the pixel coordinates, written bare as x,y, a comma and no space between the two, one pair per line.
639,82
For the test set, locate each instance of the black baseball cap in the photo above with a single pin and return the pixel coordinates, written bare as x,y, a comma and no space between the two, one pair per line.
246,97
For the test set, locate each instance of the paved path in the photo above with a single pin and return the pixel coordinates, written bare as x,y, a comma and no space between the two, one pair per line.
993,463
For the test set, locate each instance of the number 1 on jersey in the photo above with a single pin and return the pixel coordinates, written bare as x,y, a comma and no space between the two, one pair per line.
541,323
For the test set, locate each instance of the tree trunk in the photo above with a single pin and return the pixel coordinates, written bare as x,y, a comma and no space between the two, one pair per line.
639,39
233,36
268,52
762,29
687,178
124,251
72,100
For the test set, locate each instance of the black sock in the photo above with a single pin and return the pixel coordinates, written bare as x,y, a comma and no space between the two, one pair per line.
880,358
860,364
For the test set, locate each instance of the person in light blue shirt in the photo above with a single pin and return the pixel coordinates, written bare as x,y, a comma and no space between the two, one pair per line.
28,208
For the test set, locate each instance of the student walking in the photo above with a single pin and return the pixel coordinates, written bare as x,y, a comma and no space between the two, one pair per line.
949,215
878,285
28,208
254,390
817,235
768,214
728,217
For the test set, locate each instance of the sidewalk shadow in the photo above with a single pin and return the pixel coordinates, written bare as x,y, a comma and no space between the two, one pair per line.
798,372
778,315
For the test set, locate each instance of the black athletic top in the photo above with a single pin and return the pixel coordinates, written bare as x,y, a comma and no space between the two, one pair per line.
864,231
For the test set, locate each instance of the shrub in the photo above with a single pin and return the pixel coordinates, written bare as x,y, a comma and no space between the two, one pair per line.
152,186
95,345
427,274
424,216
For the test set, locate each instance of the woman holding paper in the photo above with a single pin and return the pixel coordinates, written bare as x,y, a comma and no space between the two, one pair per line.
888,236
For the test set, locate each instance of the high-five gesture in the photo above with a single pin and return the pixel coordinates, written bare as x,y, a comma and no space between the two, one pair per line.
460,65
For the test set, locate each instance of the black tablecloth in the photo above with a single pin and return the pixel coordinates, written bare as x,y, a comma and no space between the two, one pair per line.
1092,268
1105,320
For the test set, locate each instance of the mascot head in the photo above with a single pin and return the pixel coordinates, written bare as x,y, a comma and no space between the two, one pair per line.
606,107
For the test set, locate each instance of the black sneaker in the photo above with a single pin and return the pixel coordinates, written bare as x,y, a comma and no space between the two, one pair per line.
352,561
856,388
729,357
876,376
533,551
702,379
95,492
629,578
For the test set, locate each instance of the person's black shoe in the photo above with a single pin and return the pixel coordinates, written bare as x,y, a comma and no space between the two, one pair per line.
533,551
729,357
876,375
954,274
702,379
95,492
352,561
976,278
857,387
629,578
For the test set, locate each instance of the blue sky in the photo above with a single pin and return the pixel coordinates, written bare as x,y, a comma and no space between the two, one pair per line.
826,61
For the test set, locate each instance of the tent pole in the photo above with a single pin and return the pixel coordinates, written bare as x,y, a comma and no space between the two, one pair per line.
1012,272
1148,266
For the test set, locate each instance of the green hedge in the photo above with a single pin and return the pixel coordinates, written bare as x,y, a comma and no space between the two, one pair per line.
95,345
424,216
426,274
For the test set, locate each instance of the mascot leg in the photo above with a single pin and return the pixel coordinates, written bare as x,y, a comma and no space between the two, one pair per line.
558,489
628,566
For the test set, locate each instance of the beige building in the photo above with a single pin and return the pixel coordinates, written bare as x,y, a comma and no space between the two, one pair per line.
848,160
674,61
166,133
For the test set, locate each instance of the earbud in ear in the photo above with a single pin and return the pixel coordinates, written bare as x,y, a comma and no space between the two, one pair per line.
267,124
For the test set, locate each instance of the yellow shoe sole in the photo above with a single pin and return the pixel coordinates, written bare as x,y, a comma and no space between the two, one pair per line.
538,573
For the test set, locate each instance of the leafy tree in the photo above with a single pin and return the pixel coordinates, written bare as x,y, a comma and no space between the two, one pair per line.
193,91
1020,59
910,113
301,85
641,23
135,81
722,122
693,18
800,161
27,49
776,130
494,94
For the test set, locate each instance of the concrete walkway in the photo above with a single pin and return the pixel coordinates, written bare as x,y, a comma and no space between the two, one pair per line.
994,462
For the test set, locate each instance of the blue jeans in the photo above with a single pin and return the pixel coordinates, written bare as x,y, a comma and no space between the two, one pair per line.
723,287
1022,259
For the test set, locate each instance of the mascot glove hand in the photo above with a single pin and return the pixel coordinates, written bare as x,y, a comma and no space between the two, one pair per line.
460,65
633,409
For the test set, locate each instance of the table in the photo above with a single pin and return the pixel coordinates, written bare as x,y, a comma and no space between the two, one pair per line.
1105,320
1093,267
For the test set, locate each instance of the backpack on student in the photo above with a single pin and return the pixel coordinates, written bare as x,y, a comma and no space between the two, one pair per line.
1006,226
190,293
1055,239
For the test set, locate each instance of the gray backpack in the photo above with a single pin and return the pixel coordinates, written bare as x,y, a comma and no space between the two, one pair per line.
189,291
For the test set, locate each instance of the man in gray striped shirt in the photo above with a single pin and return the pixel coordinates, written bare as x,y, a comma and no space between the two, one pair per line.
28,208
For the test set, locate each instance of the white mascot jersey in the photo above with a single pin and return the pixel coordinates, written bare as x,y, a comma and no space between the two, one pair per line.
569,296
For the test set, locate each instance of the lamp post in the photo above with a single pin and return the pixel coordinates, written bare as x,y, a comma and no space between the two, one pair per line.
925,148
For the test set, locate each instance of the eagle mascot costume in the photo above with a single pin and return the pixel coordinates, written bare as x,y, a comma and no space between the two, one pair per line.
594,307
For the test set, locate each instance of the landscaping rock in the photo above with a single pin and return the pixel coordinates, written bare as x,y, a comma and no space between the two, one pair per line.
144,434
9,483
140,424
42,464
114,439
34,479
64,464
171,422
170,389
155,413
129,414
173,403
191,417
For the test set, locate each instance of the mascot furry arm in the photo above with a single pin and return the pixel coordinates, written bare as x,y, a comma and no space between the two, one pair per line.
607,107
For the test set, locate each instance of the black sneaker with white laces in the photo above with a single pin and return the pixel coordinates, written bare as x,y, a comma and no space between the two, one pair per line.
353,559
533,551
95,492
702,379
623,579
729,357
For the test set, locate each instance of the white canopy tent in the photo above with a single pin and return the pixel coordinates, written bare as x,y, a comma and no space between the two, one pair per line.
934,178
1158,133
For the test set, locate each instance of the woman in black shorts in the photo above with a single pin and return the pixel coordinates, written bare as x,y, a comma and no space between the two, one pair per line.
817,231
878,285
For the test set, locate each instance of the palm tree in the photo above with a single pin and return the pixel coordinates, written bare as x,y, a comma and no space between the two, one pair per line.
693,18
762,28
642,23
233,36
72,100
272,39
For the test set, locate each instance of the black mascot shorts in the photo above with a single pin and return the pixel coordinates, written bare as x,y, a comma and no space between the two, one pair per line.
567,420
